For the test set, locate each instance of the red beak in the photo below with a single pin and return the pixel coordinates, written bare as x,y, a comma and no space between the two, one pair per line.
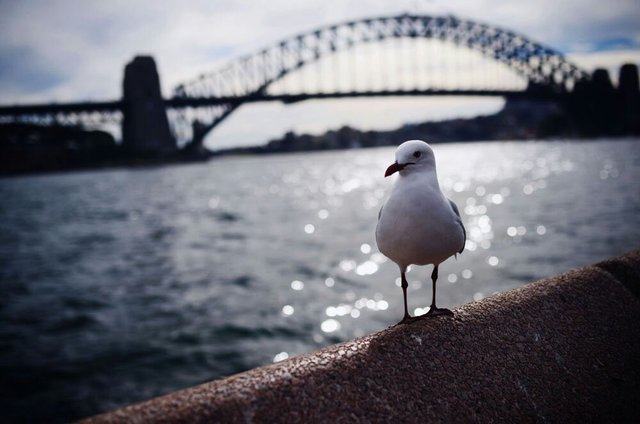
395,167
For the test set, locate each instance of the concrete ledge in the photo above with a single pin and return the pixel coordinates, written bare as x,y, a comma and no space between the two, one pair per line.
563,349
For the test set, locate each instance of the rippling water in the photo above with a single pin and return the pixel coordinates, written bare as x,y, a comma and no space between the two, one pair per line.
121,285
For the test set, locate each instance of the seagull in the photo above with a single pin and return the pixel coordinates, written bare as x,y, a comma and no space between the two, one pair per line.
418,225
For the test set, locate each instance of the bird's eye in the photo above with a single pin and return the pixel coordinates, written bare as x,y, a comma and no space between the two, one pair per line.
416,154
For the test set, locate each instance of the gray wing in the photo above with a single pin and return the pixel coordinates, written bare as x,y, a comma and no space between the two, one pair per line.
464,231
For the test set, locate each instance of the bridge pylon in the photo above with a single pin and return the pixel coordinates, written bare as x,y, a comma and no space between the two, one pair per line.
145,126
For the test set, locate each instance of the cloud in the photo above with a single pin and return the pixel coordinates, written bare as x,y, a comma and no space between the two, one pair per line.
92,41
25,71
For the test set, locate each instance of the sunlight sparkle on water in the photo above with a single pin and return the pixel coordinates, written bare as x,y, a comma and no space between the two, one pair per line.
347,265
370,202
350,185
329,282
353,310
309,228
287,310
527,189
297,285
338,311
365,248
472,209
367,268
496,199
280,357
468,245
484,222
378,258
330,325
420,311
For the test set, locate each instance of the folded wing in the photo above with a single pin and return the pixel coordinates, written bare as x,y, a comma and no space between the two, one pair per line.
464,231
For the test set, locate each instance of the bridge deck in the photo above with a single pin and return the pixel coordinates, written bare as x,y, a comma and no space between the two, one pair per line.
186,102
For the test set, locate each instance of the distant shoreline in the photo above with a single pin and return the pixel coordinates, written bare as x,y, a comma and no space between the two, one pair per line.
240,153
518,120
61,149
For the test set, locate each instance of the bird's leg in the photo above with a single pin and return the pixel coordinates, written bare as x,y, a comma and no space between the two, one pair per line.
434,280
433,310
405,284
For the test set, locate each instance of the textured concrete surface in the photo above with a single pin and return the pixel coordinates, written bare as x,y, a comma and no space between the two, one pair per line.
563,349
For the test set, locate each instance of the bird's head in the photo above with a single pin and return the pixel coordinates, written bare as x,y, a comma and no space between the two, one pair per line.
412,156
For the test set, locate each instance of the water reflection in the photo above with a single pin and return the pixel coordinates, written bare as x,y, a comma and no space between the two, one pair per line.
280,357
288,310
352,310
367,268
330,325
297,285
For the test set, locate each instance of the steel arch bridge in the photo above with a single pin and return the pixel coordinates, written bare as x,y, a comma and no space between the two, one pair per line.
199,105
250,76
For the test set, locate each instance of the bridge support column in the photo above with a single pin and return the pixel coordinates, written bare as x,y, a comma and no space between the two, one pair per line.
145,127
629,94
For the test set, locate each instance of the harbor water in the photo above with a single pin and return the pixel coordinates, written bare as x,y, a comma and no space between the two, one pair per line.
120,285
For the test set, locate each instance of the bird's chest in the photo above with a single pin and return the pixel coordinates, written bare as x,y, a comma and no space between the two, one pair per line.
418,219
416,229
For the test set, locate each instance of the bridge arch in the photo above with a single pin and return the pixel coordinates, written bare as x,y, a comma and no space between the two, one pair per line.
253,74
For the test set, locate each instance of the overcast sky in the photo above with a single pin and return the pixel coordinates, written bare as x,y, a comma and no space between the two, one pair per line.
76,50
